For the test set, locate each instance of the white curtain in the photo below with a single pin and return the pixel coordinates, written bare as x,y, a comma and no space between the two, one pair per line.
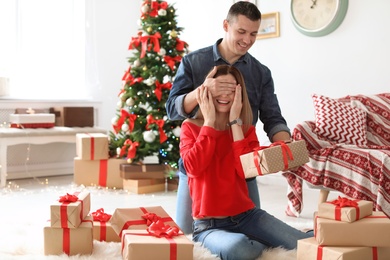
43,47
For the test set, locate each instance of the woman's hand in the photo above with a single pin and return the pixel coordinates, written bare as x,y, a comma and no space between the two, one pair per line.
235,110
206,105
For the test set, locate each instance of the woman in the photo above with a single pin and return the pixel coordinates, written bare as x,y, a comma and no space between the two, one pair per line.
226,220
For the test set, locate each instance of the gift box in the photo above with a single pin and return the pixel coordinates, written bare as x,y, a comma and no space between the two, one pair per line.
92,146
142,171
71,241
142,186
138,218
172,183
277,157
373,230
102,229
104,173
139,244
70,210
309,249
344,209
32,120
74,116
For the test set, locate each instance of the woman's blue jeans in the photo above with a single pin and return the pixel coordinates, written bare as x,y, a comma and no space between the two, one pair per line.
245,235
184,203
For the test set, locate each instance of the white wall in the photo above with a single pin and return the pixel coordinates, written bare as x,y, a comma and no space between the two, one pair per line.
351,60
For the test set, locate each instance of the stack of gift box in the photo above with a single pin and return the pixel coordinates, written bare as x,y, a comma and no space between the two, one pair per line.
69,230
144,232
349,230
92,166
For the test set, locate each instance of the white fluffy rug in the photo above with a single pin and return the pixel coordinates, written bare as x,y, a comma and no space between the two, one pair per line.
23,213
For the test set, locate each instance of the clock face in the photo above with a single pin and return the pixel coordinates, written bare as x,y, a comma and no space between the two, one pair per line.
318,17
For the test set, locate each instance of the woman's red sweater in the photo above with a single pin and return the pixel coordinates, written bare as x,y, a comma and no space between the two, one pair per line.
215,176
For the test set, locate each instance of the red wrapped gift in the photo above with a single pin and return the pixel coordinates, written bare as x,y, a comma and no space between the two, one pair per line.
344,209
70,210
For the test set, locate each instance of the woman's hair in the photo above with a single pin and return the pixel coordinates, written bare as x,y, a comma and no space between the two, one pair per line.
246,111
247,9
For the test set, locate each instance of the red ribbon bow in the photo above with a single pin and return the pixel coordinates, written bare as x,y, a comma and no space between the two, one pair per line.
125,115
180,45
128,78
160,123
155,7
132,149
99,215
150,218
344,202
171,61
68,198
160,87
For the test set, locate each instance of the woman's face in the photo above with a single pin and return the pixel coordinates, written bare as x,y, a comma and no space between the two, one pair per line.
223,103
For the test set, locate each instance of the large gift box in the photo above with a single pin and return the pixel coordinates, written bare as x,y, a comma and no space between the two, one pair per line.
71,241
44,120
138,218
344,209
142,186
70,210
308,249
172,183
142,171
139,244
277,157
104,173
102,229
373,230
92,146
74,116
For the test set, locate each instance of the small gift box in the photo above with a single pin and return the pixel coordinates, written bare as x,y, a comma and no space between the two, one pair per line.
143,186
309,249
142,171
371,231
92,146
277,157
71,241
44,120
344,209
138,218
102,229
104,173
74,116
144,245
70,210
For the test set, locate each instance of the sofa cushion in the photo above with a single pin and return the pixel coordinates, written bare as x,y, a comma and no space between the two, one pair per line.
339,122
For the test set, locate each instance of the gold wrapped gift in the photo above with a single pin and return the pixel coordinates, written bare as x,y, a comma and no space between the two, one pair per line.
277,157
344,209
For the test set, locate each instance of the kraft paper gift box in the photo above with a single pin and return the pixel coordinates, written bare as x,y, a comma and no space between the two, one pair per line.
102,229
277,157
139,244
70,210
309,249
373,230
104,173
142,186
344,209
134,218
71,241
142,171
92,146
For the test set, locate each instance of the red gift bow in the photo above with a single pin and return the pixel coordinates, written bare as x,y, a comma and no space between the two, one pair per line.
159,229
150,218
286,152
100,215
68,198
170,61
160,87
342,203
160,123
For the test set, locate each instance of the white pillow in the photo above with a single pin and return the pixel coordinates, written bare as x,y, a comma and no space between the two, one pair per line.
339,122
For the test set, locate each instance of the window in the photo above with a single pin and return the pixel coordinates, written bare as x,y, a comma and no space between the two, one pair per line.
42,48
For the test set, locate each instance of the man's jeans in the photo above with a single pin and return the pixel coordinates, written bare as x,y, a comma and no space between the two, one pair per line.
184,203
245,235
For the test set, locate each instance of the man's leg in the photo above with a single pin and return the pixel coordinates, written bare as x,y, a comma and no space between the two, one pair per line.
184,205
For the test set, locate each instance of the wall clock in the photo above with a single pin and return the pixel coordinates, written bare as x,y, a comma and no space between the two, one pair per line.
318,17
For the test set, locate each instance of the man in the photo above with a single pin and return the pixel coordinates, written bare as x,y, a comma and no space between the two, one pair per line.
241,27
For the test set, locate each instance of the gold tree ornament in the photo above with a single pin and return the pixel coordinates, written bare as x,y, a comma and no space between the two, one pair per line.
173,34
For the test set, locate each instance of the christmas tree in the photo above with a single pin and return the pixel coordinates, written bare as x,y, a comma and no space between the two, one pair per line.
141,127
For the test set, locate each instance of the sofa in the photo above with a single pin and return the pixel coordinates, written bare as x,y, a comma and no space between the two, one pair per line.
349,151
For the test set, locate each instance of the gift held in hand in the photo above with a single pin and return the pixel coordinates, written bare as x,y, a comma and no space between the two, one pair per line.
279,156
